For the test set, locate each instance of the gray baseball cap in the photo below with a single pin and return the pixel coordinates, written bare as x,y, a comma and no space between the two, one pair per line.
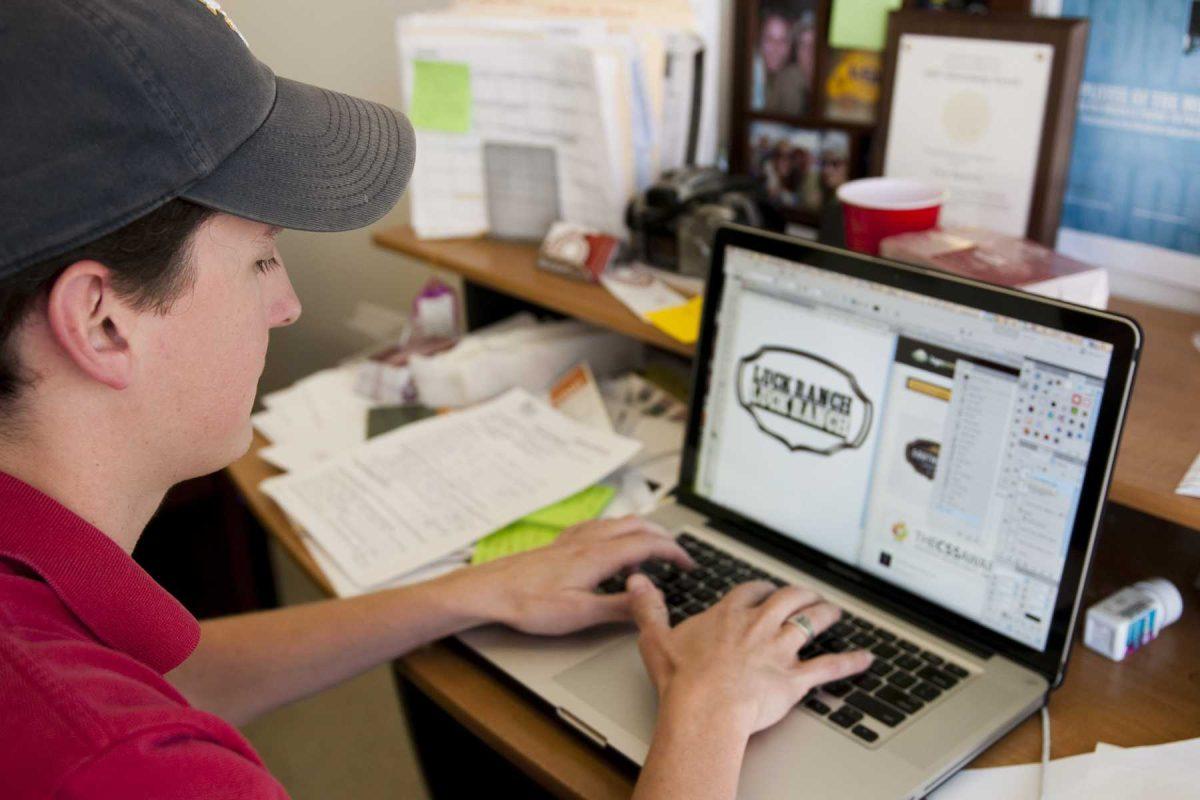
111,108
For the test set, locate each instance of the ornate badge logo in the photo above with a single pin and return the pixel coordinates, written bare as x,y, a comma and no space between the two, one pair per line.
803,401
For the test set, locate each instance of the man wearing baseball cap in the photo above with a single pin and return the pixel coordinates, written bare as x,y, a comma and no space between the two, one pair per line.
147,162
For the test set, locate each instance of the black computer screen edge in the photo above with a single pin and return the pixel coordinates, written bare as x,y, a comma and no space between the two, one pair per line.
1122,332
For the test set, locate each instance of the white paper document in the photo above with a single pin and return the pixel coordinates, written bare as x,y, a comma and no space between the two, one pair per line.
967,116
1162,772
1190,485
343,586
639,290
313,419
412,496
528,88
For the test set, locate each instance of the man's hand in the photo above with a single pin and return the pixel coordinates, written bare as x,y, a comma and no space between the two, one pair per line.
740,655
551,590
246,664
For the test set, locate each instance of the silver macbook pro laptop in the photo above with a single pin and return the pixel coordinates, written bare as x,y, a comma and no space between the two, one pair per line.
930,453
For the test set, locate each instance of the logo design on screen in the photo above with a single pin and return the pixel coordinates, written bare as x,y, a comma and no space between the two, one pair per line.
922,455
805,402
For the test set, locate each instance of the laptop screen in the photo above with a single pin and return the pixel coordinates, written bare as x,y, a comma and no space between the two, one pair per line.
933,445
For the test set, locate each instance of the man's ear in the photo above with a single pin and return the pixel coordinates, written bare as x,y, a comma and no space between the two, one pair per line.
90,323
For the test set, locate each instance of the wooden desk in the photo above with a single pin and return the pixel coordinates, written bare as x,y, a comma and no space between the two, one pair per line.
1154,697
1162,434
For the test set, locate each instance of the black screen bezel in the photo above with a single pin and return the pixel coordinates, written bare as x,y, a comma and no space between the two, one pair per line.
1121,332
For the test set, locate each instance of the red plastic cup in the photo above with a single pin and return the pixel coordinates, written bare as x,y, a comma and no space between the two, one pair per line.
876,208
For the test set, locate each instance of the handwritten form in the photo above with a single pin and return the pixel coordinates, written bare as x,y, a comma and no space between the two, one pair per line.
410,497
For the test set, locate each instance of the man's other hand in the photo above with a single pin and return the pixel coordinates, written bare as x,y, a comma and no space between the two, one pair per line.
552,590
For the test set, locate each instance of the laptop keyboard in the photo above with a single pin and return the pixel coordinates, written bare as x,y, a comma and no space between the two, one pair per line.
902,682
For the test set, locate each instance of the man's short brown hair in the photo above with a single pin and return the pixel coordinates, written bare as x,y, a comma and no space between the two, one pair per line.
148,258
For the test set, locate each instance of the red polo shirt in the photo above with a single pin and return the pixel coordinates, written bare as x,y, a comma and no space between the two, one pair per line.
85,639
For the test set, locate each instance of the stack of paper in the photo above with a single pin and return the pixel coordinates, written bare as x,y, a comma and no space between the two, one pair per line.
657,421
419,494
523,119
1163,772
313,419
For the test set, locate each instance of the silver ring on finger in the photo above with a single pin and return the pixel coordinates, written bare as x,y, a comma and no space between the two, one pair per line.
802,622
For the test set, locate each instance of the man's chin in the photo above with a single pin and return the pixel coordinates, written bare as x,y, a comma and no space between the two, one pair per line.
238,445
245,442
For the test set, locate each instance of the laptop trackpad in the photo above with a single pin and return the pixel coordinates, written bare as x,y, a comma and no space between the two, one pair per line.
614,683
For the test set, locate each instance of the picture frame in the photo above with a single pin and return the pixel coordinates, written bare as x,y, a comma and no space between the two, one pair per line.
808,128
800,167
1038,194
782,42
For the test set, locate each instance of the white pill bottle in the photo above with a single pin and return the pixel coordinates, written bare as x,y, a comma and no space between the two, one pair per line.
1131,618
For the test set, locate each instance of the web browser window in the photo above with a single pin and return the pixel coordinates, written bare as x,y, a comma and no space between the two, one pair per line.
936,446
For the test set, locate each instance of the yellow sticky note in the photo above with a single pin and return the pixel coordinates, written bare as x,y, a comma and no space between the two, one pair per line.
441,96
679,322
542,526
860,24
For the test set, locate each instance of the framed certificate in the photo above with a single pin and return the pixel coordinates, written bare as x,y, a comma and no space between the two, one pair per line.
985,108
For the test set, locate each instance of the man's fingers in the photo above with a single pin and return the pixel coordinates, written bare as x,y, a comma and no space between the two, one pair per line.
650,613
634,548
748,594
646,605
600,529
793,637
784,602
601,608
820,616
831,667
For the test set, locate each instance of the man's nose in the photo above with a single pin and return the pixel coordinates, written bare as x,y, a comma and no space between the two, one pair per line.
285,308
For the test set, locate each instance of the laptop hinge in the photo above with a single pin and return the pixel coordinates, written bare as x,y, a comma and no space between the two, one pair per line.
581,726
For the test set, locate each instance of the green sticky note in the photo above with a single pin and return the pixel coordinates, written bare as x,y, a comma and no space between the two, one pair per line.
542,526
441,96
575,509
860,24
515,538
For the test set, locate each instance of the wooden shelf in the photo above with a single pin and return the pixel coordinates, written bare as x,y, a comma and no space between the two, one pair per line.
511,268
1162,432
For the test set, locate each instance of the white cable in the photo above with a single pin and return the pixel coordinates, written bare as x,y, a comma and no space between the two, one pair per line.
1045,752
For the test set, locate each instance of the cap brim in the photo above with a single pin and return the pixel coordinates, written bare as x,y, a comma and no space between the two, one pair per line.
321,161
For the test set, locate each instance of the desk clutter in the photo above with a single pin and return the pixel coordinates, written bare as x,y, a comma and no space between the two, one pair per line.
384,494
526,116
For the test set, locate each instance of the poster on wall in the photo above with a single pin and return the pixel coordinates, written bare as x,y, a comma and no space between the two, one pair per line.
1133,195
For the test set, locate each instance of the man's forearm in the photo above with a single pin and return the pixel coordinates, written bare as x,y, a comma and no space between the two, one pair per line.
248,664
696,752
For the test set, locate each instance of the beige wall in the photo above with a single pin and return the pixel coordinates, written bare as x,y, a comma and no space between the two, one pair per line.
346,46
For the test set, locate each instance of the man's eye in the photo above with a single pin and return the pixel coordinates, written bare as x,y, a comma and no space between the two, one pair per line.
266,264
